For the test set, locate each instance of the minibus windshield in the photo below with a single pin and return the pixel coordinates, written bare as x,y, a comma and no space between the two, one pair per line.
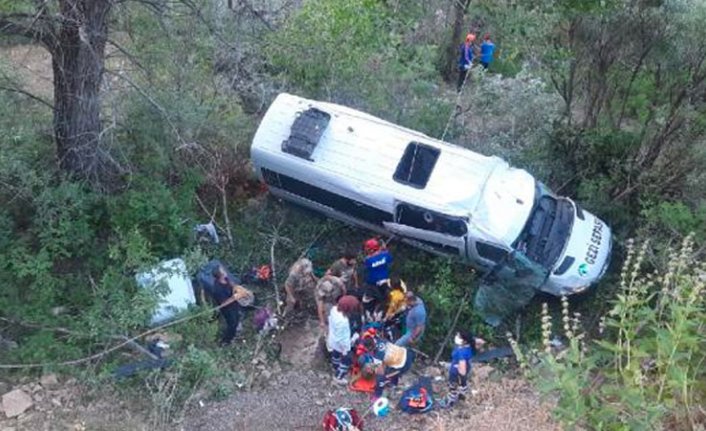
547,229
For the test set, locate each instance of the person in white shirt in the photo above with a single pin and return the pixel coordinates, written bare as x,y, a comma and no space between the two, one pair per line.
340,340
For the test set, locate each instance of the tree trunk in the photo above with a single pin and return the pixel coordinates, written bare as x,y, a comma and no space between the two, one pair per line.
448,71
78,57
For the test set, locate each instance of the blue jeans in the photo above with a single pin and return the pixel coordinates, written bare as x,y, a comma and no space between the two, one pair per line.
406,339
340,363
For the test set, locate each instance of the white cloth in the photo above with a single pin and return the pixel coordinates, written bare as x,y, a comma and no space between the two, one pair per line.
339,332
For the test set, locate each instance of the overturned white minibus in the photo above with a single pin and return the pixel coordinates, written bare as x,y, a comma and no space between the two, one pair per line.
434,195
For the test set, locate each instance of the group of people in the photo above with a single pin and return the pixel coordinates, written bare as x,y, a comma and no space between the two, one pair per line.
373,322
391,316
470,52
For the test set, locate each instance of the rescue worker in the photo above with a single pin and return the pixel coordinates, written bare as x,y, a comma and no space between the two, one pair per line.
346,269
465,346
339,340
377,262
328,290
465,59
487,50
415,320
390,361
300,279
396,306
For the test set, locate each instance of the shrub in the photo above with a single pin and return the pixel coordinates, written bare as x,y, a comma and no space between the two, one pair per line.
646,369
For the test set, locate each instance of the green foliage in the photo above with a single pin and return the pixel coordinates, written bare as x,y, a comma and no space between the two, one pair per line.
327,40
155,212
444,298
646,369
360,54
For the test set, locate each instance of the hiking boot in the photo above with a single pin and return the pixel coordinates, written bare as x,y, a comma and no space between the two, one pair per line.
341,382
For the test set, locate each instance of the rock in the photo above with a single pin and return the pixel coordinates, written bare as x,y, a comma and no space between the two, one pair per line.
16,402
49,380
56,402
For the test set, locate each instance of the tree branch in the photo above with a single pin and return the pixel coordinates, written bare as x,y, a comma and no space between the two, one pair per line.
39,33
27,94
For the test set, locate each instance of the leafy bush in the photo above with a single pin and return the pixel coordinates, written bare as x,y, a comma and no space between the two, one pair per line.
156,212
646,370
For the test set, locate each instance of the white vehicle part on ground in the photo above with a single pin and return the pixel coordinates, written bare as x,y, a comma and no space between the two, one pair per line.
171,281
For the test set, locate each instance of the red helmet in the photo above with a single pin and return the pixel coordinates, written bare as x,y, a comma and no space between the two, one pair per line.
371,246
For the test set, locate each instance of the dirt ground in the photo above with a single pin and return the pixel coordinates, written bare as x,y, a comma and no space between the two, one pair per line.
298,398
295,398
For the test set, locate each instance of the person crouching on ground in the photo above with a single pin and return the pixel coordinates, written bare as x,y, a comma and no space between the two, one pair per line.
339,340
415,321
390,362
465,346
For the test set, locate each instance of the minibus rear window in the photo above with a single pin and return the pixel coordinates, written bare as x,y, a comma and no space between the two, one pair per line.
414,169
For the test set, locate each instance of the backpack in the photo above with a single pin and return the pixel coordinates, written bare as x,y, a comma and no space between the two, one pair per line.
343,419
419,398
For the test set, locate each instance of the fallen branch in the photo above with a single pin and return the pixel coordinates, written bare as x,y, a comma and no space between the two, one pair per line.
273,276
130,342
99,355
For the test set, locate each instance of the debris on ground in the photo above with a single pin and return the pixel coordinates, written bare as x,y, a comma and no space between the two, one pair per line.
16,402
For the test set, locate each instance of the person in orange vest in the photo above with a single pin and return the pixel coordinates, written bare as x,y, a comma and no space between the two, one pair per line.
465,59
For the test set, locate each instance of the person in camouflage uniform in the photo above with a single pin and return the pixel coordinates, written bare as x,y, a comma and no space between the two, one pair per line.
345,269
328,290
301,279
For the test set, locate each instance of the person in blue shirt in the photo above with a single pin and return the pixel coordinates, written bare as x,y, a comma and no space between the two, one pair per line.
415,321
465,59
377,263
487,50
465,346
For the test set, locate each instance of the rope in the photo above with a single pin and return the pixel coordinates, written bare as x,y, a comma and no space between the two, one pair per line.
111,349
458,103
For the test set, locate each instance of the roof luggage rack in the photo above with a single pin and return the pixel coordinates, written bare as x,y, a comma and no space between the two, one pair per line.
306,133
